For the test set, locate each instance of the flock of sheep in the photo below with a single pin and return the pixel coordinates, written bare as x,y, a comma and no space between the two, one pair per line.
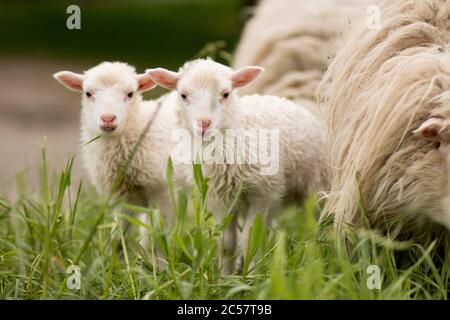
361,115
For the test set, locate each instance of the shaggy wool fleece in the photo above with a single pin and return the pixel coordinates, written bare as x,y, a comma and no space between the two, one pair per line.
381,87
295,40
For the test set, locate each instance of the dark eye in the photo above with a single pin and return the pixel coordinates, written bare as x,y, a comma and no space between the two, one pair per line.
183,96
88,94
226,95
130,94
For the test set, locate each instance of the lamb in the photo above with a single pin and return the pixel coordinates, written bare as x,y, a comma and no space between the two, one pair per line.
298,41
388,96
209,108
134,136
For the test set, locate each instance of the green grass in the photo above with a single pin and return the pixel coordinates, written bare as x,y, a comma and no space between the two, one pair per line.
63,223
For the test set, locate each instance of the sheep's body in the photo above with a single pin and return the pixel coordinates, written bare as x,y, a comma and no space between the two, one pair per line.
294,40
301,168
301,172
145,179
383,85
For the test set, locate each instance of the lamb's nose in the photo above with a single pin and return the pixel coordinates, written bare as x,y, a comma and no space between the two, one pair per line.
108,118
204,123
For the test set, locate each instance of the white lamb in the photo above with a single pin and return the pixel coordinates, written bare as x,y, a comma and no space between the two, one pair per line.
208,107
134,134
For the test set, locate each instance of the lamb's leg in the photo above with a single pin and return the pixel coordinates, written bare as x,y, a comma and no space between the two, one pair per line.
256,205
143,232
228,241
164,204
228,246
123,225
159,260
137,198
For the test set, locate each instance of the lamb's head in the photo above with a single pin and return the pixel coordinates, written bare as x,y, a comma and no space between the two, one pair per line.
437,130
206,97
109,95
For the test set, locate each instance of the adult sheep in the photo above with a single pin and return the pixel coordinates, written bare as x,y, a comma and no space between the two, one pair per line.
294,41
387,94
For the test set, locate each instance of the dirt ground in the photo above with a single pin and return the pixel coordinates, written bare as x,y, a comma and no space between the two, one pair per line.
35,108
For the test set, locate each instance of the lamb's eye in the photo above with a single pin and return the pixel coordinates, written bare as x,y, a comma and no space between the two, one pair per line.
183,96
88,94
226,95
130,94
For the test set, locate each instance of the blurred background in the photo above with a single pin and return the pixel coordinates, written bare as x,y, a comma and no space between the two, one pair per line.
35,110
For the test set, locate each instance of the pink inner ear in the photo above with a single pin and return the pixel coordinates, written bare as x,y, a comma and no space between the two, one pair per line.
430,132
164,78
430,129
242,77
146,83
72,81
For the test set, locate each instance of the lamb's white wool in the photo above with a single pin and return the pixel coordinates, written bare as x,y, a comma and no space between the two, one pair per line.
207,104
295,40
112,108
387,95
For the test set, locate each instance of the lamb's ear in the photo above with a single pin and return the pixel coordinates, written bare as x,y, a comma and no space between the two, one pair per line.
71,80
431,129
165,78
245,75
145,82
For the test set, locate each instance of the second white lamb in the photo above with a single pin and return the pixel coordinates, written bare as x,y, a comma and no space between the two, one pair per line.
209,108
